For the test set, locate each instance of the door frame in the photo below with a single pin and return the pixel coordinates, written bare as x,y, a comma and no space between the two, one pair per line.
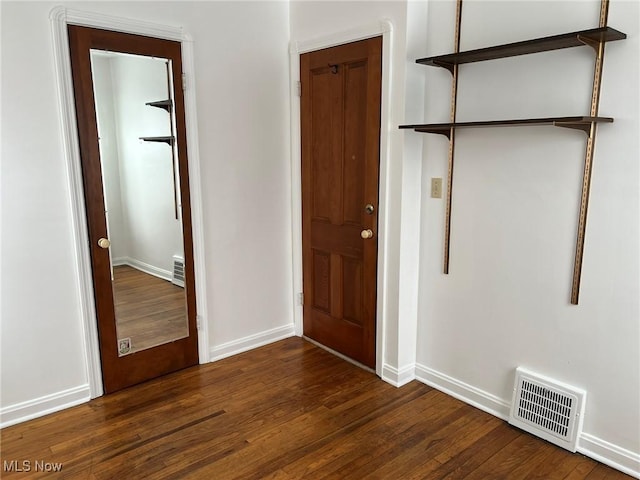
60,18
384,28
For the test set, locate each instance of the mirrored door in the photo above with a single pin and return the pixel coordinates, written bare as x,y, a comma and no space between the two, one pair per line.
132,142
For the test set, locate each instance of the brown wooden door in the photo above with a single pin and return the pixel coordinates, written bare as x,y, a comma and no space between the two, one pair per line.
340,108
122,367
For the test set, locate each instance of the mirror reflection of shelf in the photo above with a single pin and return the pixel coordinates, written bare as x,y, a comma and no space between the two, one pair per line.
168,139
167,106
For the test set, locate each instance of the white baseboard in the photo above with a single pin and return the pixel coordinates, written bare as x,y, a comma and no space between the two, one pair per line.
117,261
252,341
473,396
588,445
143,267
21,412
604,452
398,377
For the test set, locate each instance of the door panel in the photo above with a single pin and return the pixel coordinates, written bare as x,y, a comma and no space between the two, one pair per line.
137,304
340,118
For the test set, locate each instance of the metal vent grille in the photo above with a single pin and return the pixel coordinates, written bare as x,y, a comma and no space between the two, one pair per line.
177,277
547,408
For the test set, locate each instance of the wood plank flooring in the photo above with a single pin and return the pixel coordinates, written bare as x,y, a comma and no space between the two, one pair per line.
288,410
149,310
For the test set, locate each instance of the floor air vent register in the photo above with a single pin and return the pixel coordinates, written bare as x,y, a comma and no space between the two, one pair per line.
548,409
177,275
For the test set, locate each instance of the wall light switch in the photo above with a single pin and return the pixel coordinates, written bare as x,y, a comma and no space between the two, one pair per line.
436,188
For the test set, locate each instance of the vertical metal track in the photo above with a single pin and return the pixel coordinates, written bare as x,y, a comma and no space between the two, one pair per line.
588,160
452,140
174,149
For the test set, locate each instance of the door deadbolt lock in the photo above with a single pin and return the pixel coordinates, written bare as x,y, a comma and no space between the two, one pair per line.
369,209
104,243
367,233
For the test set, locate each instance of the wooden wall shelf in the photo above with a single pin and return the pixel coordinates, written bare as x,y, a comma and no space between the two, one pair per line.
592,37
580,123
596,38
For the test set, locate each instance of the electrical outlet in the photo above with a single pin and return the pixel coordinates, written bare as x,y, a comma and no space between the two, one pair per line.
436,188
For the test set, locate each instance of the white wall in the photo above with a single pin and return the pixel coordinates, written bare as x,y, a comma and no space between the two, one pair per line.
241,73
42,341
505,302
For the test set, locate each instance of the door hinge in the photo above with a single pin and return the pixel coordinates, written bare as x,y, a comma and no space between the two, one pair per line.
198,322
301,298
184,81
299,89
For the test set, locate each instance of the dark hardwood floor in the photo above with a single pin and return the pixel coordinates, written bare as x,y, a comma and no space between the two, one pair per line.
288,410
149,310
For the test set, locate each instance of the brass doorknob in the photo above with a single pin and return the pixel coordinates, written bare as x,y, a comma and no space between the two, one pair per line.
366,233
104,243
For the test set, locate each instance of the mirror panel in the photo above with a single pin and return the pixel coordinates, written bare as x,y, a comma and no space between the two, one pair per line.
136,125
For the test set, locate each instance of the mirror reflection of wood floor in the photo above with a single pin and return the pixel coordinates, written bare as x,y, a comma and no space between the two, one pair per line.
149,310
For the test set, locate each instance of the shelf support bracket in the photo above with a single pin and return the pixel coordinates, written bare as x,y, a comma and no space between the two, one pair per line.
446,133
449,66
585,127
452,140
590,42
588,159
